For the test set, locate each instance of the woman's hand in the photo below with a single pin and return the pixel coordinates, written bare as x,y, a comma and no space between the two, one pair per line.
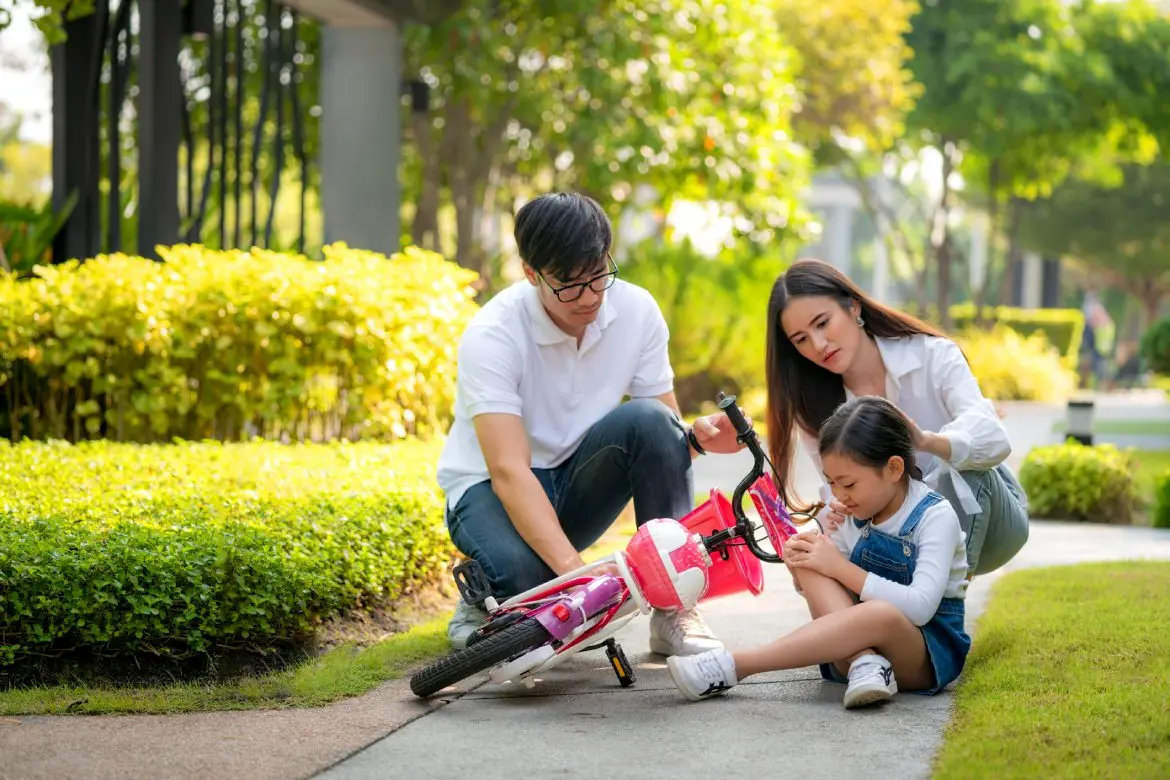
715,433
835,517
814,552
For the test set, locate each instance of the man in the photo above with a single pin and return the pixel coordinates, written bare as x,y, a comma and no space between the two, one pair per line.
543,455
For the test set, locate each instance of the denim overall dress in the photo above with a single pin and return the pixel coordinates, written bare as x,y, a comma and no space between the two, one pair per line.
894,558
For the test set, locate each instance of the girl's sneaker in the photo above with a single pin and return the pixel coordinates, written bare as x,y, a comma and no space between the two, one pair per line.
871,679
704,675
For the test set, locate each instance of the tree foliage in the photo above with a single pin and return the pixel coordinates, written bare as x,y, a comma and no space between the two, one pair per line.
1121,232
690,97
852,73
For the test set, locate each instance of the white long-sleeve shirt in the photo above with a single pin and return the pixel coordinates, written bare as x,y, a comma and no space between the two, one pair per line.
928,378
941,567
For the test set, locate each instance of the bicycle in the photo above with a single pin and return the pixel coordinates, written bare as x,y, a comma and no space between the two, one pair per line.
668,564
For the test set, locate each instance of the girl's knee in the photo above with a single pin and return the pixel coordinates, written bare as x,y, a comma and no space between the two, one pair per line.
884,615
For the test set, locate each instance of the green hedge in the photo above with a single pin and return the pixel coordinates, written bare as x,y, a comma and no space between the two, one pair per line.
1155,346
188,547
1072,481
231,345
1064,328
1162,500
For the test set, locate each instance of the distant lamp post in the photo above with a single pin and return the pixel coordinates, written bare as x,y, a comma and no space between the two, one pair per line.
1079,423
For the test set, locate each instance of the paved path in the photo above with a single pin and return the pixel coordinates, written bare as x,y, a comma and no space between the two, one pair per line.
577,723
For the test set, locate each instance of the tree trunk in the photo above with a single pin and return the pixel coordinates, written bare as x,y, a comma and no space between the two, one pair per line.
992,225
1011,260
941,238
424,231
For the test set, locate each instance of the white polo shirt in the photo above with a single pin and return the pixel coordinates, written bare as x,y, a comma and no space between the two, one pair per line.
513,359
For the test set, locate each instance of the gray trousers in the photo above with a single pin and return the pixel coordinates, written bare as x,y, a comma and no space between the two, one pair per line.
999,530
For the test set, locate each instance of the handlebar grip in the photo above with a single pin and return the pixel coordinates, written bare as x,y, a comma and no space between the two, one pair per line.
734,414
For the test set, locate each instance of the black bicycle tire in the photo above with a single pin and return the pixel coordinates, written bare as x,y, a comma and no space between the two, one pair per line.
484,654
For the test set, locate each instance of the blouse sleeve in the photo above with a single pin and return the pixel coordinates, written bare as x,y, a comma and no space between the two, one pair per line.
977,436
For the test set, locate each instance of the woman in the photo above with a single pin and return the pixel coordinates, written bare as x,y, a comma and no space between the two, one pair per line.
828,342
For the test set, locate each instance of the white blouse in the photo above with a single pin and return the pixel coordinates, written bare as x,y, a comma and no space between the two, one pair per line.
928,378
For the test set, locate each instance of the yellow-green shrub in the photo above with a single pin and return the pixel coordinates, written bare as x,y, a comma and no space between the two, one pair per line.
1063,328
186,547
1072,481
1013,367
231,344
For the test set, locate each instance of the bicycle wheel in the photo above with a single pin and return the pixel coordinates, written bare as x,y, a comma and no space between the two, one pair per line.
484,654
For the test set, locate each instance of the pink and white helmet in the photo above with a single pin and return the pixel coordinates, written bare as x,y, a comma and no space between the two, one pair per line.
665,566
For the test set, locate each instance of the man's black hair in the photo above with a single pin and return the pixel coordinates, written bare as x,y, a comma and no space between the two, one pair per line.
564,235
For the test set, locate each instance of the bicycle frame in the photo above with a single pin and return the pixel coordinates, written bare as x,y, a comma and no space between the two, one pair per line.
583,608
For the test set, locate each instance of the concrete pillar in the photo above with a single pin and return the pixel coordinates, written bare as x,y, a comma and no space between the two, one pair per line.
1031,281
978,264
838,237
361,75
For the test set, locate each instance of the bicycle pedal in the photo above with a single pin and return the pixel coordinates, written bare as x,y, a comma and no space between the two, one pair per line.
472,582
620,664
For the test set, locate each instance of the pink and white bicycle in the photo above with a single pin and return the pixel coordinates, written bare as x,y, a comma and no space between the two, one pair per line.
712,552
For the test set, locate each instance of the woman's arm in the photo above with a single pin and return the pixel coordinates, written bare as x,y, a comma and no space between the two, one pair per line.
975,438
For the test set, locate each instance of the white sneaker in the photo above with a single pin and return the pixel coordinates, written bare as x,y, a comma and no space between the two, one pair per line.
871,679
704,675
681,633
463,624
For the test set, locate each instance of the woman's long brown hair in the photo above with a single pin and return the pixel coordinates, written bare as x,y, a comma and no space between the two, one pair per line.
800,392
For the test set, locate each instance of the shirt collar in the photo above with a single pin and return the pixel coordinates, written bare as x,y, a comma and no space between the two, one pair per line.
900,356
546,331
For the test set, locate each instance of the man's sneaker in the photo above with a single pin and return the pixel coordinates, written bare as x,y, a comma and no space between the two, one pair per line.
871,679
704,675
680,633
463,624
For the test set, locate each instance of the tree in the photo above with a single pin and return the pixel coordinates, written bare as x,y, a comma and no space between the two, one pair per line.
692,97
1120,232
851,73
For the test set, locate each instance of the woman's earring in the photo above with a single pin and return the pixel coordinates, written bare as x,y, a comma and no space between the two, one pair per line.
860,321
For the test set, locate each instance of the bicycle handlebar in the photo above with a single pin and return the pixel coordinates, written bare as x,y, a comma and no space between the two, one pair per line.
743,528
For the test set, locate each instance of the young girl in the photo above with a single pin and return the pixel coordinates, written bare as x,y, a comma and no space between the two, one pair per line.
886,589
829,342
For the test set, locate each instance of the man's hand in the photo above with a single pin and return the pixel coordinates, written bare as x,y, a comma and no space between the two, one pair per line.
715,433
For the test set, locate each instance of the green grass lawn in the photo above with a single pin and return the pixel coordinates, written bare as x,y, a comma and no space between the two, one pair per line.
343,671
1126,427
1067,677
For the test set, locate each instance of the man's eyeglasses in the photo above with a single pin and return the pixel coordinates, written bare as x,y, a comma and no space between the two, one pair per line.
599,283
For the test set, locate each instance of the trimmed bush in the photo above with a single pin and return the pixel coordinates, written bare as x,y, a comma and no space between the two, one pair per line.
1063,328
1072,481
1011,367
230,345
1155,346
184,548
1162,500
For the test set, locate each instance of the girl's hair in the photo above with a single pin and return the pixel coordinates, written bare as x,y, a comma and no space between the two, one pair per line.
800,392
869,430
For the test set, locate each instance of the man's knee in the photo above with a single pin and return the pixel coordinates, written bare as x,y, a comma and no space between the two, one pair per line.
651,421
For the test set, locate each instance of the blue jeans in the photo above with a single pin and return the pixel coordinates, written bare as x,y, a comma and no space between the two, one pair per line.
638,451
1000,529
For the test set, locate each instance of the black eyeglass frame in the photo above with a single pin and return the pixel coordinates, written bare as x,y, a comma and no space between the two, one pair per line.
608,278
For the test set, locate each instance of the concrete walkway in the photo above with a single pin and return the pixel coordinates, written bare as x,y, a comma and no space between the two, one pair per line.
577,723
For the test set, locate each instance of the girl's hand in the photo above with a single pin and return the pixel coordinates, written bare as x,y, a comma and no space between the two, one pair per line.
818,554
